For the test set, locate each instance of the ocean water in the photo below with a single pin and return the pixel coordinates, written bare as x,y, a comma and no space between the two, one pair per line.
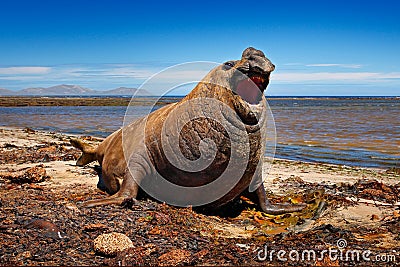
348,131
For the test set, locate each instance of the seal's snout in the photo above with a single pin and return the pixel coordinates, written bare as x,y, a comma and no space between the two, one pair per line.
257,61
256,68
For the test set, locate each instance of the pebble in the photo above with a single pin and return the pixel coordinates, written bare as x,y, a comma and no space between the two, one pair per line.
174,257
112,243
51,230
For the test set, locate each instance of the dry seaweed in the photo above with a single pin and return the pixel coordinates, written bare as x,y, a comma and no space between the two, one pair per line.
35,174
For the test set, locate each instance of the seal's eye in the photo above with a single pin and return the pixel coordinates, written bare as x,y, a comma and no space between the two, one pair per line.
229,65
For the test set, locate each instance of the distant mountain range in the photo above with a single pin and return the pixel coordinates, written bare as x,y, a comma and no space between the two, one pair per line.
72,90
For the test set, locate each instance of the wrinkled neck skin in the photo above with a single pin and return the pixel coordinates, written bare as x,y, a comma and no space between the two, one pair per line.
217,85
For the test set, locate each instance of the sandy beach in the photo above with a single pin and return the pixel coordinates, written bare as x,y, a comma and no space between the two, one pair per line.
40,185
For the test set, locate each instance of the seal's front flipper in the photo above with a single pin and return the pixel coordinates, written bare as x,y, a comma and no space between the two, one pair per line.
275,209
115,200
129,189
88,152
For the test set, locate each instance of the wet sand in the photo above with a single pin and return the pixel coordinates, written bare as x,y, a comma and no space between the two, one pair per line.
358,205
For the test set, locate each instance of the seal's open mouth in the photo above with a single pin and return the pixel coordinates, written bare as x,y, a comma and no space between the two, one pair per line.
252,88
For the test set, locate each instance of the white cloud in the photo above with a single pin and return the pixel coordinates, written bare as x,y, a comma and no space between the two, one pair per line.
104,71
129,72
181,75
334,76
349,66
390,75
24,70
293,64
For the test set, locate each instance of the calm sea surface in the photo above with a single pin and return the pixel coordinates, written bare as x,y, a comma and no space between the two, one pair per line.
350,131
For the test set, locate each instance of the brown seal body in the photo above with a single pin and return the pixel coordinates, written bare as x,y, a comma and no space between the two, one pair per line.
225,109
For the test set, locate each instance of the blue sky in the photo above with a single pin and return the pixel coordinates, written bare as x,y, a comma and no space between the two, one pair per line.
319,47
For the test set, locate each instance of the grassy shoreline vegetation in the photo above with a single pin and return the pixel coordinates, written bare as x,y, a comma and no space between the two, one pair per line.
21,101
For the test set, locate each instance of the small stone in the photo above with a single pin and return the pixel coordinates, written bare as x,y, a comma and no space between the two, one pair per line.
49,149
174,257
24,255
112,243
73,208
42,224
244,246
374,217
94,227
50,229
29,130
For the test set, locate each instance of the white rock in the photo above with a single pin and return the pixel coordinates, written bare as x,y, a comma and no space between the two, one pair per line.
112,243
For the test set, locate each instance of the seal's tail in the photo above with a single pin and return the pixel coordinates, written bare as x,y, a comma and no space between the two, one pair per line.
88,152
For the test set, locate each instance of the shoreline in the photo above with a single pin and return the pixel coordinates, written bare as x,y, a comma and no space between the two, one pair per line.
276,158
106,100
360,205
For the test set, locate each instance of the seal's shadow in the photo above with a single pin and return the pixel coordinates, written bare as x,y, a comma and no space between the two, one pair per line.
230,210
100,183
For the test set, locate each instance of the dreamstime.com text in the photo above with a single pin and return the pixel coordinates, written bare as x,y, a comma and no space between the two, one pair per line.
338,253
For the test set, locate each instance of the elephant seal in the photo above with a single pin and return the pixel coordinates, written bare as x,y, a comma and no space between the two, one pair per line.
191,144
